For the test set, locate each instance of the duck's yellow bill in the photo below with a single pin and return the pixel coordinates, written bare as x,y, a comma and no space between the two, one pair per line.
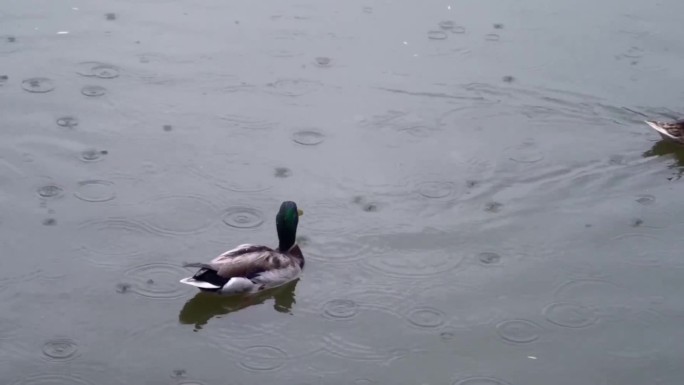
300,212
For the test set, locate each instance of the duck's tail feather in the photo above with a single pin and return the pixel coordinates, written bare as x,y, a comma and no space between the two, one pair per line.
199,284
658,126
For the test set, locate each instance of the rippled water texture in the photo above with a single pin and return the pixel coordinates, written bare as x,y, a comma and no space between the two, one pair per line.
483,204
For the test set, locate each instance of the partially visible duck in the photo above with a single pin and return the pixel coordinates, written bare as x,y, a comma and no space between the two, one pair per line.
669,130
248,268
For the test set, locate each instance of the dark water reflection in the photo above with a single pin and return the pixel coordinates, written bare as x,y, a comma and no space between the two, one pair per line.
669,150
201,308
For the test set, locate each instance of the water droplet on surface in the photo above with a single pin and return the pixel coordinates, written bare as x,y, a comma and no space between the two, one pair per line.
95,191
518,331
49,222
481,381
92,155
38,85
263,358
435,190
282,172
447,25
646,199
437,35
122,287
370,207
308,137
67,121
156,280
447,335
323,61
569,315
60,349
243,217
493,207
525,152
294,87
50,191
93,91
426,317
489,258
105,71
340,309
492,37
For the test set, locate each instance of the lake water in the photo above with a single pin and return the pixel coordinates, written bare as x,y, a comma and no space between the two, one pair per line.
483,202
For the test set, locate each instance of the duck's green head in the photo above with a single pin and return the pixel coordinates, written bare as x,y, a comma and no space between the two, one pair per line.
286,223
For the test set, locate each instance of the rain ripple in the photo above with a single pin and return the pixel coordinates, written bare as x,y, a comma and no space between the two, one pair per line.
569,315
97,69
263,358
243,217
155,280
179,214
67,121
92,155
308,137
518,331
95,191
294,87
342,347
112,237
435,189
60,349
340,309
426,317
417,263
38,85
93,91
50,191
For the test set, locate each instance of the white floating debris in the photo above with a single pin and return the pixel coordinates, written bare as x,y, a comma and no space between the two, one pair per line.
406,43
75,8
532,357
63,32
449,7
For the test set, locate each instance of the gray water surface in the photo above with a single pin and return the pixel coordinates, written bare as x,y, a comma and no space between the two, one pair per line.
483,202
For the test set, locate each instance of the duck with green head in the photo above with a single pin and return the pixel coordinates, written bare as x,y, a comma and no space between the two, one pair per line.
248,268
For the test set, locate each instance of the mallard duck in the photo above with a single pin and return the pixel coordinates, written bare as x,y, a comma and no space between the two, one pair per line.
248,268
669,130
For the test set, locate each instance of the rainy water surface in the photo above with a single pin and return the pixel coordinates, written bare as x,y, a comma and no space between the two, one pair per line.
483,202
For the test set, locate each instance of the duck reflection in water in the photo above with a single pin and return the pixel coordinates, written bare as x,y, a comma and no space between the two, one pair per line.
671,149
204,306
